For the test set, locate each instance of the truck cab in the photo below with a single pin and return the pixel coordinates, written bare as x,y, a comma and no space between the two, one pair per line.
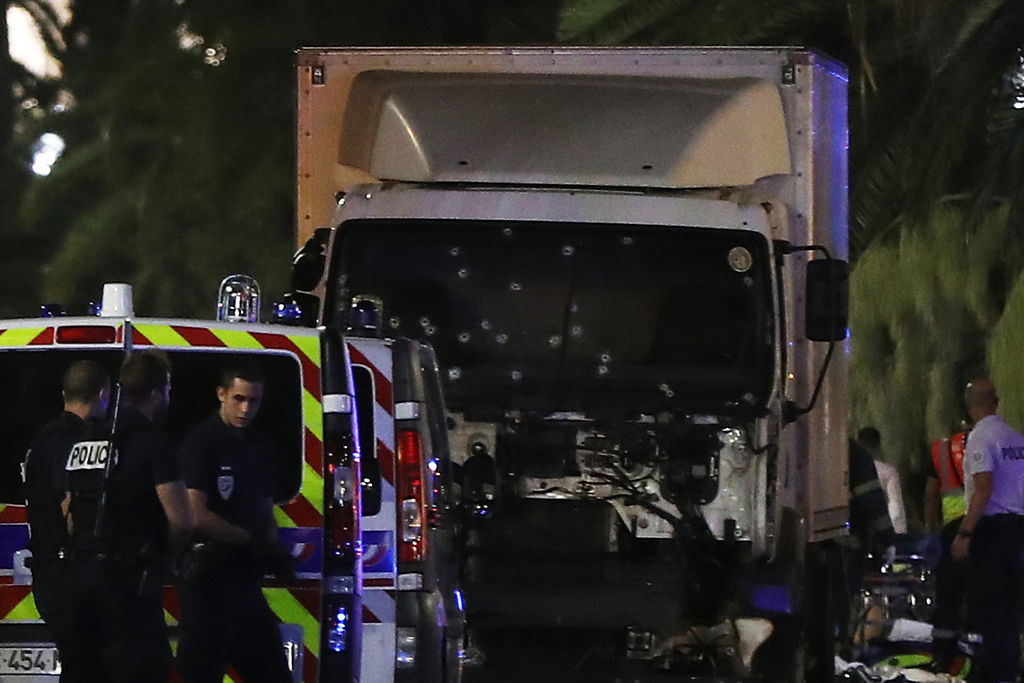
629,263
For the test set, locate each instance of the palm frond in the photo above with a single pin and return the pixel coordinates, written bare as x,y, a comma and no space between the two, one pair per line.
48,22
979,15
609,23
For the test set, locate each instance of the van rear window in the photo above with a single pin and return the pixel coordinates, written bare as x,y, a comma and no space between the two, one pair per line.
30,396
370,464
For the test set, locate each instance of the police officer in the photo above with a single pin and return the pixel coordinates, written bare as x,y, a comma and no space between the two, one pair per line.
129,512
228,469
990,533
86,390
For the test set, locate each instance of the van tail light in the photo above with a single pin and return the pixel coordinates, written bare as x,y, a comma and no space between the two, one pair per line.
412,546
341,504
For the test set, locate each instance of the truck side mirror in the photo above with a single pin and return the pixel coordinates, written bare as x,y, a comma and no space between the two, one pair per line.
309,261
827,299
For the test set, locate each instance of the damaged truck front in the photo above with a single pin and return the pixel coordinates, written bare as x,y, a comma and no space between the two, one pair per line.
629,263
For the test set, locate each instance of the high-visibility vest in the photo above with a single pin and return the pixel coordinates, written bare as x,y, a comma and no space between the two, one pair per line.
948,458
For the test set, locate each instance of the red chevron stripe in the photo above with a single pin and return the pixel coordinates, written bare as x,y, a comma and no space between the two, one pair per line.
314,452
302,512
43,338
386,458
310,664
10,596
310,371
14,514
369,617
171,602
382,385
139,338
309,598
198,336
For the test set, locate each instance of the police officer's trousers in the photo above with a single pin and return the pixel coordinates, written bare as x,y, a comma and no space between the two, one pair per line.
73,630
993,595
226,620
950,583
119,613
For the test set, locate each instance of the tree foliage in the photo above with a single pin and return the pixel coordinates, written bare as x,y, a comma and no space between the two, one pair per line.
180,164
922,309
24,97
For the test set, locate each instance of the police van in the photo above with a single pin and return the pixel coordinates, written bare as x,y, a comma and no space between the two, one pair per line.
308,411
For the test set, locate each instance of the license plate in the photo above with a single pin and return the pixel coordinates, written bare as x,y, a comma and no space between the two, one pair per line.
28,660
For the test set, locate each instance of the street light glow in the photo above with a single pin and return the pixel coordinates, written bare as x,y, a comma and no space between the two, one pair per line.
45,153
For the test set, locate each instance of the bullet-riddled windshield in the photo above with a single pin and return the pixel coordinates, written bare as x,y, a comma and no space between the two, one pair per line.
572,317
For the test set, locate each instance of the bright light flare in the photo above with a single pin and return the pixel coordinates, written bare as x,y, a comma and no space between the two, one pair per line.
45,153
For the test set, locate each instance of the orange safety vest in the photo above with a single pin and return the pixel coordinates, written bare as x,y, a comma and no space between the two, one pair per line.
948,458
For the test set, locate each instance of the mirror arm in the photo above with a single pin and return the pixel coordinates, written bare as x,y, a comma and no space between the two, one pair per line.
790,410
785,248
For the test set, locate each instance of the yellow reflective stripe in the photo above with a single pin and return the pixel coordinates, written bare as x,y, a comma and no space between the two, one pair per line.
866,487
309,345
283,520
24,610
19,336
313,487
291,611
169,619
953,507
312,414
909,660
162,335
236,339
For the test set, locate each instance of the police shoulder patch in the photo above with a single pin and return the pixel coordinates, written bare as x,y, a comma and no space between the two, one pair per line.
225,486
89,455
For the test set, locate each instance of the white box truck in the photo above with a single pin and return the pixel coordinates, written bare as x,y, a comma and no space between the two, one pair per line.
630,264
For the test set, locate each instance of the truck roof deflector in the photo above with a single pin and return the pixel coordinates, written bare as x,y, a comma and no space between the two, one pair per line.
560,129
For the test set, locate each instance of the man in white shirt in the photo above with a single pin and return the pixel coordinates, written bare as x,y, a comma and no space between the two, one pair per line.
888,477
990,533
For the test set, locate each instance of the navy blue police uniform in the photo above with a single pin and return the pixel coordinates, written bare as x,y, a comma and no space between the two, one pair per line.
139,554
45,487
119,547
224,616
